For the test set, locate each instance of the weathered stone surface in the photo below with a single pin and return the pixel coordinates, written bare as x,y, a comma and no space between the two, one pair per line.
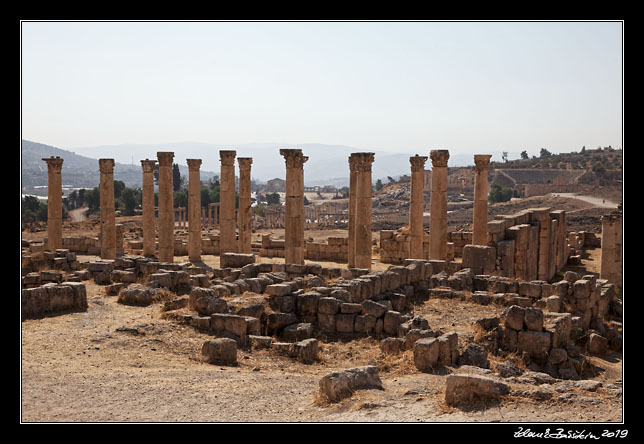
392,319
222,351
426,353
206,301
297,332
533,319
136,295
365,324
597,345
557,356
341,384
474,355
373,308
277,321
328,305
305,351
467,388
344,323
236,260
514,317
278,289
535,343
392,346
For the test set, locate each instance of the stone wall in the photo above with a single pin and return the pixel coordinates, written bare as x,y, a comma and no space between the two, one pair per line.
52,298
528,245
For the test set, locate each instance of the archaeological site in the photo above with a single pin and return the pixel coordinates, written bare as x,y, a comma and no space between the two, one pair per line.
418,301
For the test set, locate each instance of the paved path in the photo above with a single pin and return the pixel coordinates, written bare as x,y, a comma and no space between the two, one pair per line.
597,201
78,215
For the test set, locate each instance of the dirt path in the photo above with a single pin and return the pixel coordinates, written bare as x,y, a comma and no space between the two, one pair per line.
596,201
78,215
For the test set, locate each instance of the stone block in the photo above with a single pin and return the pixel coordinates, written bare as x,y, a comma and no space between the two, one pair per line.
514,317
535,343
533,319
340,385
344,323
480,259
222,351
463,389
426,352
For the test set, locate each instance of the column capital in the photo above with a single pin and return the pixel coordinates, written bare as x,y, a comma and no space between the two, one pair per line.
482,162
293,157
361,161
418,163
244,162
148,165
165,158
194,164
227,157
106,166
439,157
54,164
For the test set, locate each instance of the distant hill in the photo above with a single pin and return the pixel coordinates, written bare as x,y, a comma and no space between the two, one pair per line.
79,171
327,164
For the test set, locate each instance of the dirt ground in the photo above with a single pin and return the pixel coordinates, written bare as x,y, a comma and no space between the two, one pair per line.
118,363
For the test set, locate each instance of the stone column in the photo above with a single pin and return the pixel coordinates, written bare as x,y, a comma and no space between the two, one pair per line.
227,237
416,207
294,223
362,254
611,246
244,204
479,222
147,204
166,207
194,210
438,206
54,203
353,186
108,219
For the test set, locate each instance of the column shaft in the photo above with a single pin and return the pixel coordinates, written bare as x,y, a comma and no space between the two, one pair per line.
108,219
147,204
244,212
227,236
362,255
294,220
54,203
194,210
479,222
166,207
416,207
438,206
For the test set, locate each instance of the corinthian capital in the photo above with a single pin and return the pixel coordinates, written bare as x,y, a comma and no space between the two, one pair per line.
482,162
439,158
417,163
54,164
294,158
227,157
106,166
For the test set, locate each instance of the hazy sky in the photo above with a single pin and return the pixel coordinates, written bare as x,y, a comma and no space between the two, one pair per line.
463,86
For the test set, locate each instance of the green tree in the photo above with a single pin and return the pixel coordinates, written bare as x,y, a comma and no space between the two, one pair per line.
544,153
177,180
499,193
128,199
119,186
272,198
524,155
181,199
379,185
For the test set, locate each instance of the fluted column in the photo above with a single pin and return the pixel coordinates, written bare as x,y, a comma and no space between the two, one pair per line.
294,223
194,210
416,207
54,203
227,237
166,207
147,205
108,218
438,206
479,222
362,254
353,186
244,217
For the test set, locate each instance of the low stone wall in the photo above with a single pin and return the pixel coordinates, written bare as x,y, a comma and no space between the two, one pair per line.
335,249
52,298
35,258
394,247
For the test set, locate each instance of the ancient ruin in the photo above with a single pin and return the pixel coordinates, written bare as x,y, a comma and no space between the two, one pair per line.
535,315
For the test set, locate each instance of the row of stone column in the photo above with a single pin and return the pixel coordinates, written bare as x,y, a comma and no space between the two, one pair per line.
360,208
438,204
